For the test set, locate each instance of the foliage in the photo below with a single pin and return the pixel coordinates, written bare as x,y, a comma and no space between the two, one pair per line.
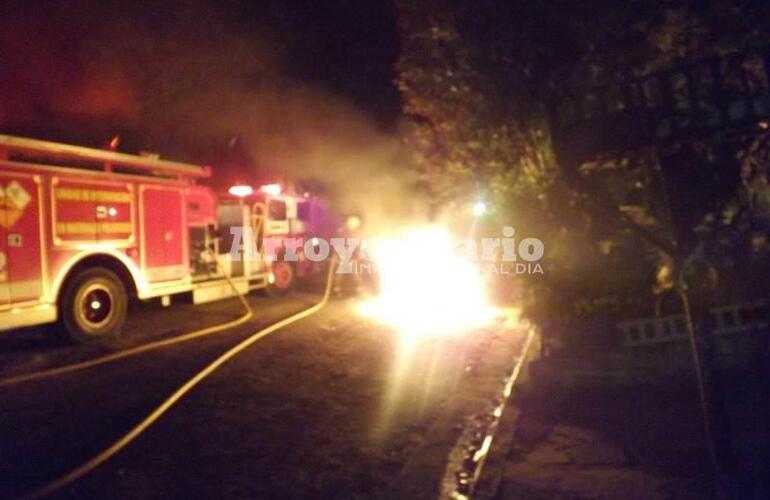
734,237
478,129
471,136
462,134
475,81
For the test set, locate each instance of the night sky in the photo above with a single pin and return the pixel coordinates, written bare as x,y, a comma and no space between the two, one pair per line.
347,45
54,86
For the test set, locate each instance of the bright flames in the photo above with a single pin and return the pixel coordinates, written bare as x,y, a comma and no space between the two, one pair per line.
426,288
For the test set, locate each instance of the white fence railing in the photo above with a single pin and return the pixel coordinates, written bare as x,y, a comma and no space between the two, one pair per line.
738,318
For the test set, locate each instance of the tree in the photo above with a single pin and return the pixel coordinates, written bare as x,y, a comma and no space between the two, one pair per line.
476,80
479,128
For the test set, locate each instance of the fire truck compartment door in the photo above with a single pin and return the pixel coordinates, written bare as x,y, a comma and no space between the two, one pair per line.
163,235
85,211
21,271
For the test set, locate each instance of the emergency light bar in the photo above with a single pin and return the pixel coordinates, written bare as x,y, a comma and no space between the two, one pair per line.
271,189
240,190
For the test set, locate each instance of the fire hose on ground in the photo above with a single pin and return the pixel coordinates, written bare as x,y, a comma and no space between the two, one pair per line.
88,466
126,353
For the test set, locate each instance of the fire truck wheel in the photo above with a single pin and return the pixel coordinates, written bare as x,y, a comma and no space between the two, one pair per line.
93,305
284,276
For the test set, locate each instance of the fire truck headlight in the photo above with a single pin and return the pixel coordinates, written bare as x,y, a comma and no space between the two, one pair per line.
271,278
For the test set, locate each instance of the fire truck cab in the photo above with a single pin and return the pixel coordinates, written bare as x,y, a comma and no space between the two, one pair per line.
84,230
276,220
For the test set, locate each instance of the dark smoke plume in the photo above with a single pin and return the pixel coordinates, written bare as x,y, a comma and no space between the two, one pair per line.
189,83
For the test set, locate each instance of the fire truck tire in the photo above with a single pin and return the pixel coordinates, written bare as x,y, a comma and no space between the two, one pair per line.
284,278
93,305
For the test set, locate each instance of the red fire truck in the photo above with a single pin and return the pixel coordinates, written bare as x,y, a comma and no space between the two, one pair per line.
83,231
277,221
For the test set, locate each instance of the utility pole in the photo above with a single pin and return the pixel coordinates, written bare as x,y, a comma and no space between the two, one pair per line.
700,328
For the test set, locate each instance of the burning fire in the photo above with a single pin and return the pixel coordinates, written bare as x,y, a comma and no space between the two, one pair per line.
426,288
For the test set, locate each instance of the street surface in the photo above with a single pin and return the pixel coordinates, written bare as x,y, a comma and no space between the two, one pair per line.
334,406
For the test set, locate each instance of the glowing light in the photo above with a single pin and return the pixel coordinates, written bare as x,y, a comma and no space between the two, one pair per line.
353,222
479,208
482,452
426,288
271,278
240,190
112,211
271,189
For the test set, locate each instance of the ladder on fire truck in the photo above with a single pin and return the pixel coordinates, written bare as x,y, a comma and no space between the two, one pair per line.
34,151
